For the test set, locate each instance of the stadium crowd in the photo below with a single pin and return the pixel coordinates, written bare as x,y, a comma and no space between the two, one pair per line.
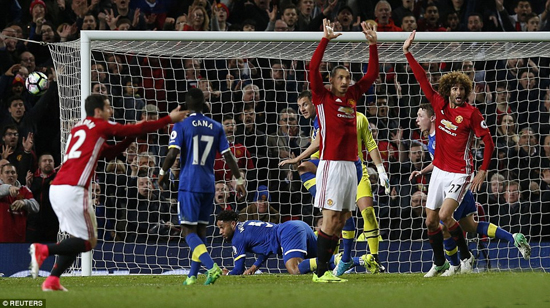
255,100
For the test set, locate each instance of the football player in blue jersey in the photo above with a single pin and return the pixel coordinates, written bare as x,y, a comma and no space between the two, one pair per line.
198,139
463,214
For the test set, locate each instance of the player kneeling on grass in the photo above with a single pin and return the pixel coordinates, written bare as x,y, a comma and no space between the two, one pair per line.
293,239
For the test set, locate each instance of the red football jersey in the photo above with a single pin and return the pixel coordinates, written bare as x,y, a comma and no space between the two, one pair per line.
13,224
337,115
455,129
85,145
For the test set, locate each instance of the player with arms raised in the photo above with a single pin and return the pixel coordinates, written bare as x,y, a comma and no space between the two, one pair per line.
69,190
198,138
337,174
464,214
456,123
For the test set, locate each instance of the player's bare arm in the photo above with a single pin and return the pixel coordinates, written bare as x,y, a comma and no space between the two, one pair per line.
478,180
177,115
168,162
426,170
230,160
408,42
312,148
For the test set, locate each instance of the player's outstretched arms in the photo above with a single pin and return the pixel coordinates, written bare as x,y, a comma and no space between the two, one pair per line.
416,173
370,33
408,42
177,115
328,31
312,148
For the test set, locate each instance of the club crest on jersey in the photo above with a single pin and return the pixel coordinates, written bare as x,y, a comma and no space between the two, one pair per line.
330,202
459,119
352,103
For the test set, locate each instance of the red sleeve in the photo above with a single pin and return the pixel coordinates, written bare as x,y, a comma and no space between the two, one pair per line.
115,129
109,152
372,72
482,131
316,80
422,79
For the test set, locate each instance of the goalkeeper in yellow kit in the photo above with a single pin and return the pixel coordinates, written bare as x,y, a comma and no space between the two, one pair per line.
307,170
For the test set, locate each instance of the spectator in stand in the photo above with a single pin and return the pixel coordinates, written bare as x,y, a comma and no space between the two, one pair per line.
290,16
499,107
475,22
249,25
382,12
430,22
528,96
523,9
408,23
100,88
407,222
492,196
121,9
151,143
42,226
260,209
281,90
256,11
241,153
155,12
222,197
407,8
28,61
8,50
506,138
198,20
132,102
144,214
89,22
346,19
451,22
249,134
460,7
514,215
533,22
525,157
16,203
220,14
305,11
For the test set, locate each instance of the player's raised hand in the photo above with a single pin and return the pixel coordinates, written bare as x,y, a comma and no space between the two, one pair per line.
478,180
408,42
328,30
370,32
177,115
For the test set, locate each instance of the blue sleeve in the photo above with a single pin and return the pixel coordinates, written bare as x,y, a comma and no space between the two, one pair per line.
176,136
239,267
260,260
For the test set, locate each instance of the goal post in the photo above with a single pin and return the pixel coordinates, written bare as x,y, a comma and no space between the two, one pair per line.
158,60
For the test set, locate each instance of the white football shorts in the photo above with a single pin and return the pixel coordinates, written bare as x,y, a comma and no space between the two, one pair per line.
74,211
445,185
336,185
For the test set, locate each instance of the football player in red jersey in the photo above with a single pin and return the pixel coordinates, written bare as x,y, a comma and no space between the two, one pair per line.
456,123
69,190
337,174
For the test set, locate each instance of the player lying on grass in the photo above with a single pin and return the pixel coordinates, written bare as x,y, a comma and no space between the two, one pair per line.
464,214
293,239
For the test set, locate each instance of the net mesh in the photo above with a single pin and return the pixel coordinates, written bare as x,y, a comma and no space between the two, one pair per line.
253,82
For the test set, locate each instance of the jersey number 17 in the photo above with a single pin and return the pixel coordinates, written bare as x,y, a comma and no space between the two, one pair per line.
196,146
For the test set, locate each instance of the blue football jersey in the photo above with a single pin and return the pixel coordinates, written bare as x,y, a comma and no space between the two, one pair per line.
198,138
255,236
315,128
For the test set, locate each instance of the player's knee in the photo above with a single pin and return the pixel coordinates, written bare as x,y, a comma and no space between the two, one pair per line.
432,224
293,270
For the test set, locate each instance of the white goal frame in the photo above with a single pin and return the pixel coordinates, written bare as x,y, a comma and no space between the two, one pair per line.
86,38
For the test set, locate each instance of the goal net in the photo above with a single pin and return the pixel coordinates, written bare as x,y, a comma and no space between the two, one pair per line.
251,82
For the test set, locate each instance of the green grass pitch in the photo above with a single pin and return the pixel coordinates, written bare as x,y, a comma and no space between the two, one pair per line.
494,289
